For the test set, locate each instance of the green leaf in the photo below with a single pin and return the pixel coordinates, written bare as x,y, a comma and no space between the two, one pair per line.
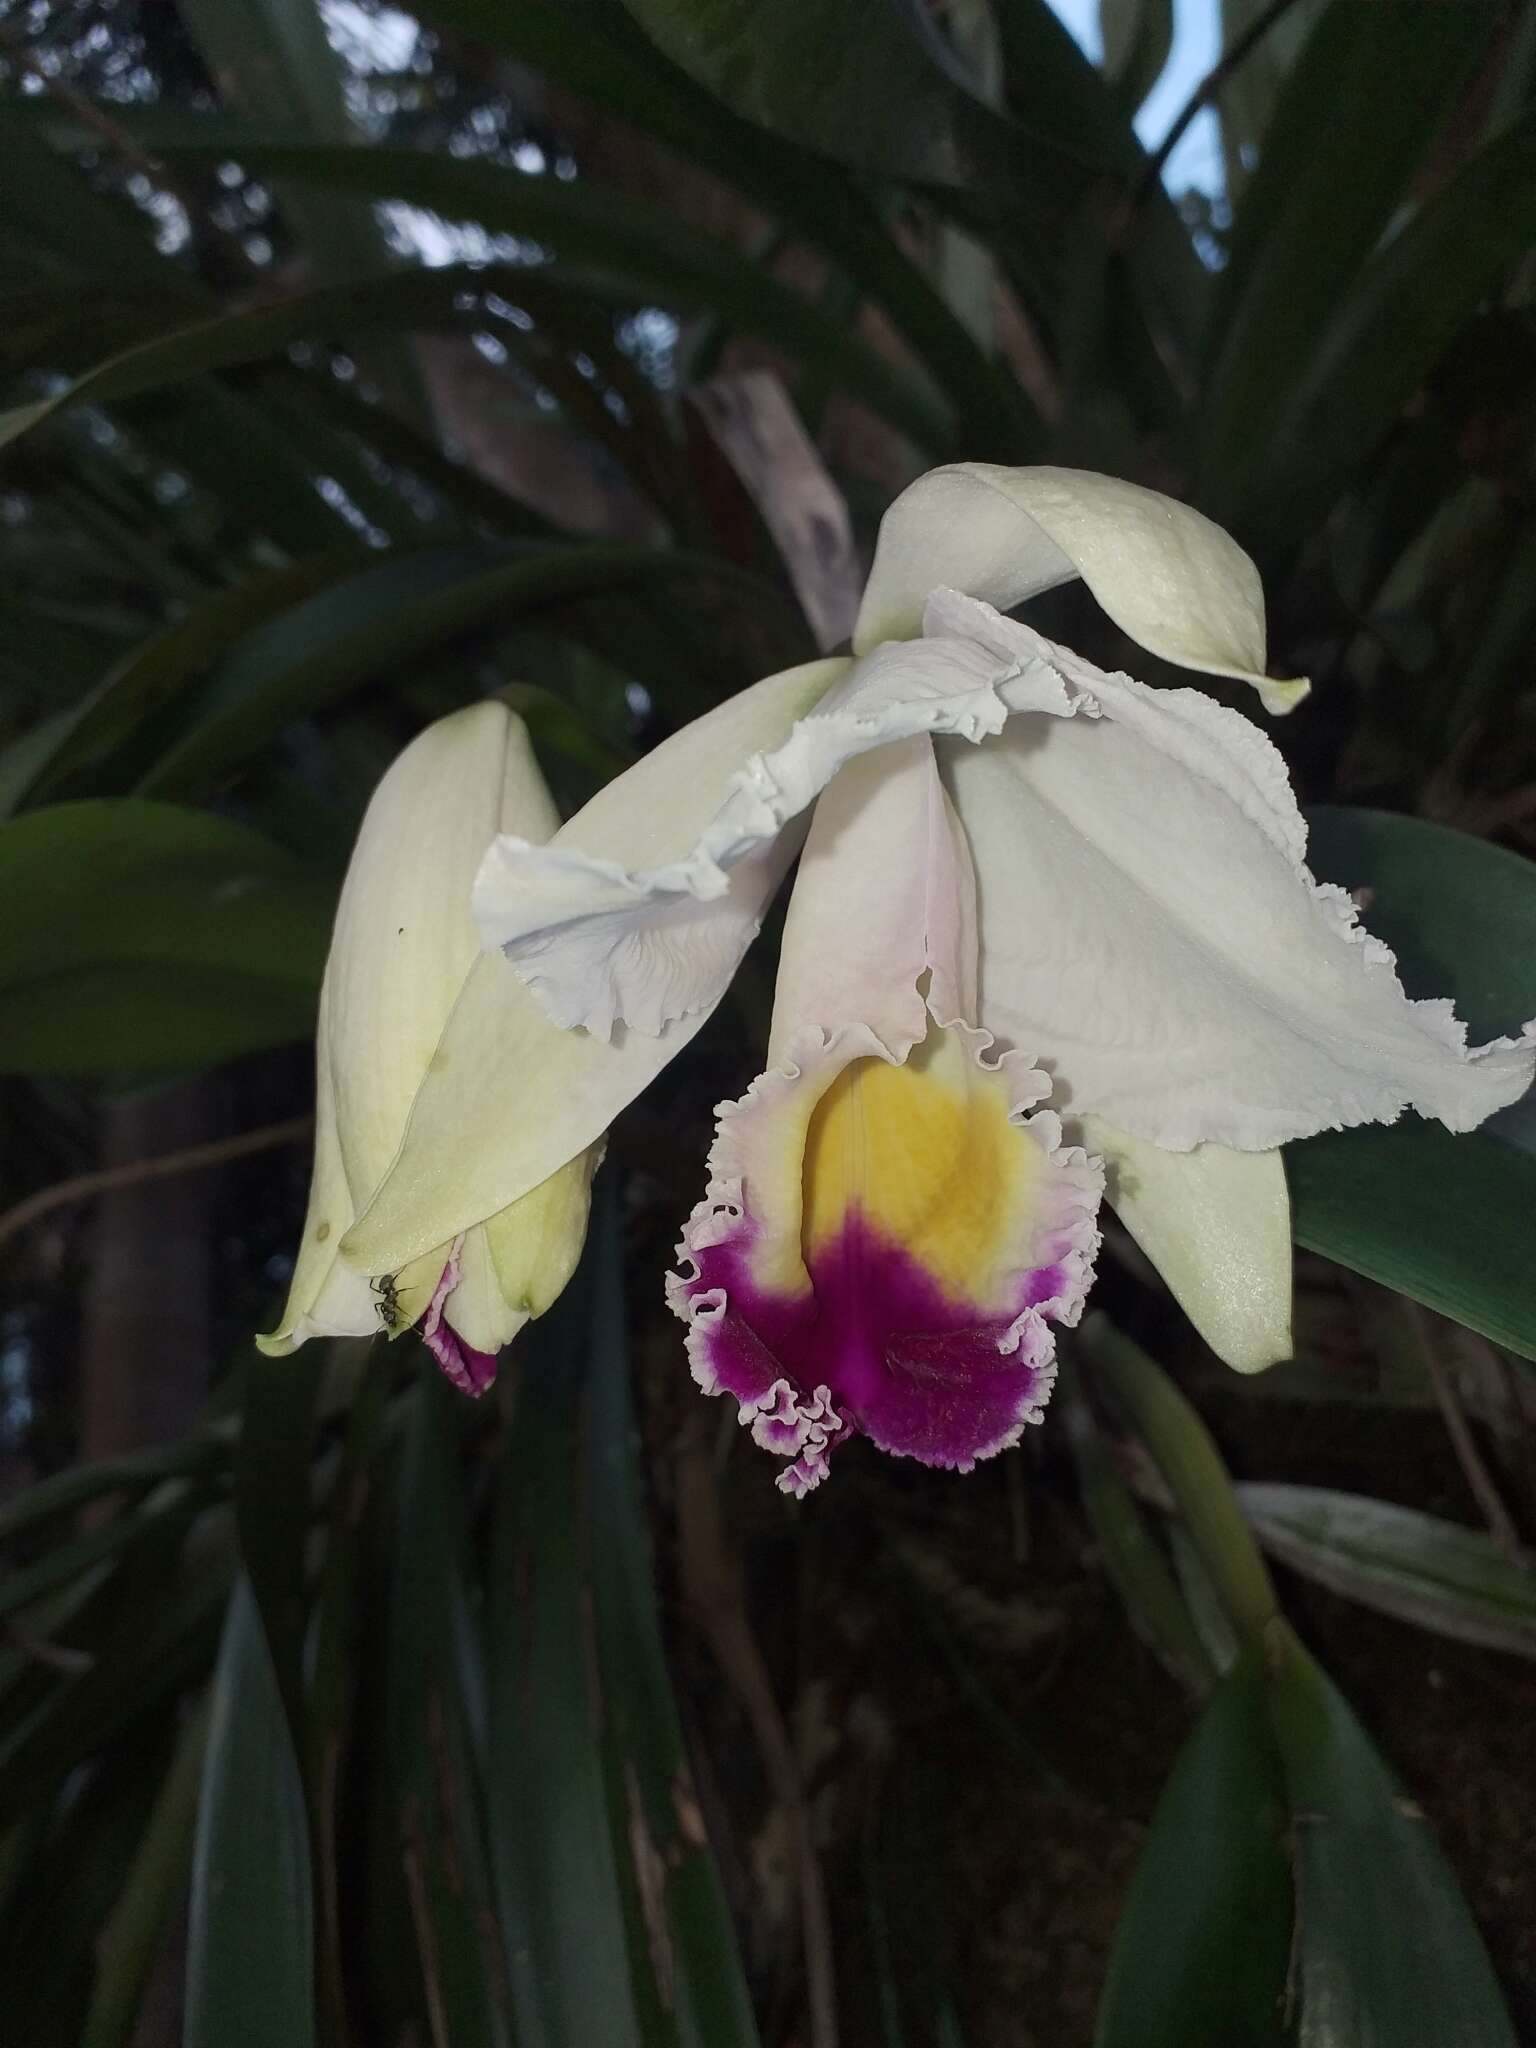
675,1890
147,1633
556,727
1437,1574
1137,36
1203,1943
273,61
626,240
272,1485
73,1557
1212,1625
131,1476
594,49
1197,1478
1459,914
1386,1950
412,455
331,1665
1498,636
864,80
144,936
76,239
230,443
589,1795
1137,1566
131,1937
250,1972
1390,331
880,85
433,1794
388,617
1248,95
403,299
1322,197
97,734
48,1941
1442,1218
1050,81
552,1833
63,220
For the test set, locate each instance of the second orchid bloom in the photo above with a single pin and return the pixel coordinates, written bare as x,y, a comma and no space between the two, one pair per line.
1050,926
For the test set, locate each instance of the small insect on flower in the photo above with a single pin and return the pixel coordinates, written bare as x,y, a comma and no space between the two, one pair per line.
388,1303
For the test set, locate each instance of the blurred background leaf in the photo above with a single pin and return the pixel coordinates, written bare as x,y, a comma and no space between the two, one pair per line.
249,1962
1443,1219
1434,1573
157,936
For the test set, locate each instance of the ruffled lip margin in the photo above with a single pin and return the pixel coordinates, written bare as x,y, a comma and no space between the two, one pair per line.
803,1427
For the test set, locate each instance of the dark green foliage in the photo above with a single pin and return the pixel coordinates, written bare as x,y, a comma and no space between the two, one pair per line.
1444,1219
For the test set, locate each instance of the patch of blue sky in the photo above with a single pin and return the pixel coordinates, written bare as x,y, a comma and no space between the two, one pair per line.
1196,160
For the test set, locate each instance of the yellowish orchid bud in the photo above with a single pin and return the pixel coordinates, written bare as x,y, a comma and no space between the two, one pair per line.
403,946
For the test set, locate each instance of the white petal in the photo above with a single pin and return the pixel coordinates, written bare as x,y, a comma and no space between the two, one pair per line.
884,895
1217,1226
566,913
1150,930
404,939
1165,574
601,939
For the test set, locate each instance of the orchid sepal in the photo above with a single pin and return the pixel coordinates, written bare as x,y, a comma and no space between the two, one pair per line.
1169,577
1216,1224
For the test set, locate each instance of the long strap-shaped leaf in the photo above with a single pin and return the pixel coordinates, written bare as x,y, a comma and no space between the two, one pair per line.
1384,1952
568,321
119,920
430,1796
225,340
1437,1574
250,1972
674,1882
1319,203
1398,319
131,1935
597,1843
1387,1952
1445,1219
626,240
1204,1939
395,611
594,49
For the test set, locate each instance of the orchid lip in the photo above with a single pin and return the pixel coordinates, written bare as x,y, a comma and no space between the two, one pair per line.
471,1371
859,1327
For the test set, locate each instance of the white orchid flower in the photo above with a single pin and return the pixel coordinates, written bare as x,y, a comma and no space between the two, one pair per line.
403,944
1009,848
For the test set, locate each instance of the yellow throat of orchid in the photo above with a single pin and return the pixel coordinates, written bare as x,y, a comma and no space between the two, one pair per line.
926,1156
